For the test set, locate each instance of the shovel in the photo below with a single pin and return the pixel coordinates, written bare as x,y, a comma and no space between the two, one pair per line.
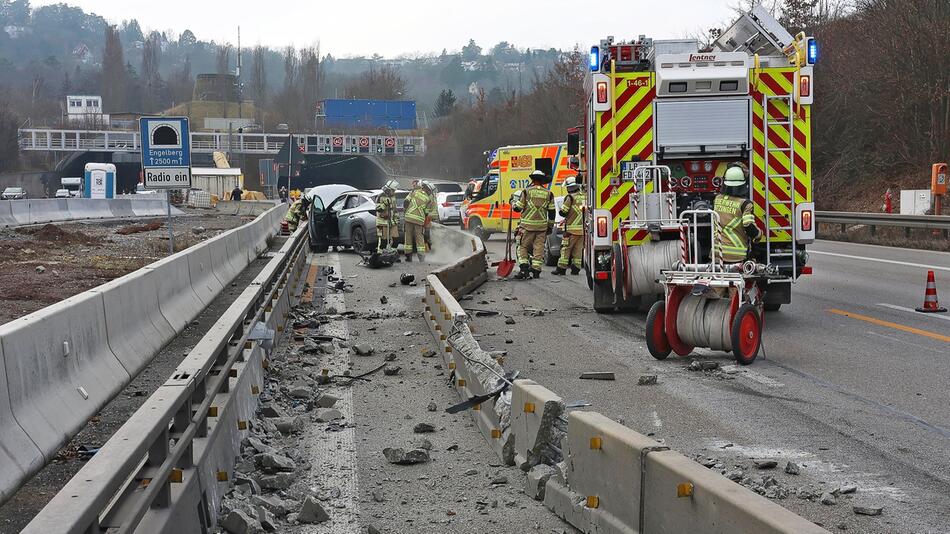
507,265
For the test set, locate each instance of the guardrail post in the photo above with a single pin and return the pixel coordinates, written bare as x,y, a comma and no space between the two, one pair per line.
179,425
873,229
156,457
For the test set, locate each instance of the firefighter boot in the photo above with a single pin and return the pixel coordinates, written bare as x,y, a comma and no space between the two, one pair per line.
559,271
409,258
536,273
575,270
524,273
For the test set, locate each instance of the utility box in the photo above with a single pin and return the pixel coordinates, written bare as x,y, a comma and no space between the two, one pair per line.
915,201
99,180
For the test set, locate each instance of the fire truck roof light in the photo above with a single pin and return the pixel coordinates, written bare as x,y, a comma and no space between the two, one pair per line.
594,58
812,51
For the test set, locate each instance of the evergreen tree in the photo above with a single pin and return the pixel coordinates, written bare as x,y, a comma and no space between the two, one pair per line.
113,81
445,105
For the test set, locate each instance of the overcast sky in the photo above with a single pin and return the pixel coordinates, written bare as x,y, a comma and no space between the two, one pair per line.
391,28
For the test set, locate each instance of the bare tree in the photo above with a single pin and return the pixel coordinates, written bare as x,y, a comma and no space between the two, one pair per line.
383,83
151,79
114,78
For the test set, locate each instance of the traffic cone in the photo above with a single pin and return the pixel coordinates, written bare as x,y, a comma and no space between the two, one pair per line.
930,296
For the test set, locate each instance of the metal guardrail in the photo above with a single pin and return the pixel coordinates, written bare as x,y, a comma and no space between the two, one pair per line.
939,222
57,140
163,444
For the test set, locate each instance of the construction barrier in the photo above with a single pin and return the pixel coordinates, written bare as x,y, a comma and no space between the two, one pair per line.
6,214
62,364
151,207
603,477
89,208
121,208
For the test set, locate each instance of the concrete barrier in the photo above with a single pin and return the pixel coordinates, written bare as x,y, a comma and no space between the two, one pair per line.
89,208
534,410
60,369
205,283
6,214
39,211
19,456
121,208
149,207
177,299
135,326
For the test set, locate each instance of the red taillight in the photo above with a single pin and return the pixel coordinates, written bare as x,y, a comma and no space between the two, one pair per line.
602,275
804,85
626,53
806,221
601,226
806,269
446,204
601,92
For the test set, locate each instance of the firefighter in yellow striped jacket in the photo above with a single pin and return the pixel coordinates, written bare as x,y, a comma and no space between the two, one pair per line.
737,228
536,206
572,244
417,207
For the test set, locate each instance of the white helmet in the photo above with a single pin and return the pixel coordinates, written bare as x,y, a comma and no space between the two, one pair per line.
391,185
572,185
516,196
736,176
430,186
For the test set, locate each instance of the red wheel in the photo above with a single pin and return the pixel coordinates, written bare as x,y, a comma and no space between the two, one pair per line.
746,334
672,307
657,342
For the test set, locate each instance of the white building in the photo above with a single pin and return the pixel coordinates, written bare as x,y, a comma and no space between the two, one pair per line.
85,109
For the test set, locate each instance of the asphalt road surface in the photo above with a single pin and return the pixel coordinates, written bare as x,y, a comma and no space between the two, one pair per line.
852,384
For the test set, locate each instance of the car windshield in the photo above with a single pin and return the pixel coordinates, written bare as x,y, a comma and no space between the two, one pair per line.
457,197
448,187
13,190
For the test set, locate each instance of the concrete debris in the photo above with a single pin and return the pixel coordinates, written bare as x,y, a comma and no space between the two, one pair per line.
266,519
40,269
198,230
391,357
765,463
383,299
325,400
289,425
432,407
277,481
509,319
406,279
370,529
363,350
270,411
299,392
734,476
400,456
792,468
428,353
423,428
258,445
424,444
312,512
597,375
862,509
828,499
537,480
708,462
239,522
391,370
646,380
703,365
241,479
379,496
499,480
325,415
471,472
851,488
271,503
270,462
730,369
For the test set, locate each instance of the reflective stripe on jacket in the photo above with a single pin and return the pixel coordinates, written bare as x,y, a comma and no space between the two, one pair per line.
573,212
385,210
734,214
417,206
534,205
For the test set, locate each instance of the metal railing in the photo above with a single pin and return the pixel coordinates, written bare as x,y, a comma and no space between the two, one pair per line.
872,220
57,140
164,442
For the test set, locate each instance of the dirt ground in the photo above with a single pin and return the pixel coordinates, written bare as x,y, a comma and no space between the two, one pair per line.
41,265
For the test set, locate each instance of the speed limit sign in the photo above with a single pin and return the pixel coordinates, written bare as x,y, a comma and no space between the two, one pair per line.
390,142
364,142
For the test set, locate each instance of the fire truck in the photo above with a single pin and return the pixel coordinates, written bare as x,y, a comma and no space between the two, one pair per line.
663,121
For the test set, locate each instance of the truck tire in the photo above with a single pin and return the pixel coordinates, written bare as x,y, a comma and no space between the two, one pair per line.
603,297
657,343
475,228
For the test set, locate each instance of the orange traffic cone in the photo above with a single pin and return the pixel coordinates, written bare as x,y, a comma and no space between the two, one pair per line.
930,296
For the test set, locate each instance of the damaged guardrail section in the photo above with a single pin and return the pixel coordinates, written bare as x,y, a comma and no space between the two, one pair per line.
60,365
593,472
167,468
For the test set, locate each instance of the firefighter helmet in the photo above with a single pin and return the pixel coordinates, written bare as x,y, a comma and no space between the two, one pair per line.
572,185
736,175
430,187
391,185
538,175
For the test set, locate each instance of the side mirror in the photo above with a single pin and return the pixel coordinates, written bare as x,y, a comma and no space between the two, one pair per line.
573,141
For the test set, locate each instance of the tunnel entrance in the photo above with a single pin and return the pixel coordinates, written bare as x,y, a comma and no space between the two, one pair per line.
357,171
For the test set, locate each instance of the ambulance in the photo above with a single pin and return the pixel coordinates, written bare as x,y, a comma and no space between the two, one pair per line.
488,210
664,119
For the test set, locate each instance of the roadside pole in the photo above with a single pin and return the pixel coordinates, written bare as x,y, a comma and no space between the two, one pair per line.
166,160
171,234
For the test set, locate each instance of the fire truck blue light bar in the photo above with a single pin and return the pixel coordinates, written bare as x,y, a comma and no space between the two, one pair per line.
594,58
812,51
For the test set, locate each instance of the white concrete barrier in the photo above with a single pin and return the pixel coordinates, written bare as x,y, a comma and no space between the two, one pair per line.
177,299
205,283
60,369
121,208
149,207
533,408
89,208
135,326
221,264
6,214
19,456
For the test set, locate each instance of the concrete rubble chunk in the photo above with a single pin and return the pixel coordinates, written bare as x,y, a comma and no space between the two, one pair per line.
241,479
864,509
289,425
239,522
258,445
499,480
267,519
850,488
391,370
312,512
274,462
363,349
734,476
277,481
370,529
270,411
646,380
300,392
765,463
703,365
432,407
271,503
400,456
423,428
325,415
326,400
538,477
598,375
792,468
828,499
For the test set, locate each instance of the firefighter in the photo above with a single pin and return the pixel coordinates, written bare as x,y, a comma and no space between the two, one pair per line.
572,244
737,228
432,213
416,209
536,206
386,228
296,212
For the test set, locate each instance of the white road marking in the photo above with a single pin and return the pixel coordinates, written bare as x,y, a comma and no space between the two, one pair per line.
762,379
656,420
881,260
898,340
333,454
911,310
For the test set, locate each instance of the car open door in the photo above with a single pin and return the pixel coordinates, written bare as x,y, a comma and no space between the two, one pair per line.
317,225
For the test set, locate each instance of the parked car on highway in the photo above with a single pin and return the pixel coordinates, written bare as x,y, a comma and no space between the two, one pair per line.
13,193
448,205
348,221
61,193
